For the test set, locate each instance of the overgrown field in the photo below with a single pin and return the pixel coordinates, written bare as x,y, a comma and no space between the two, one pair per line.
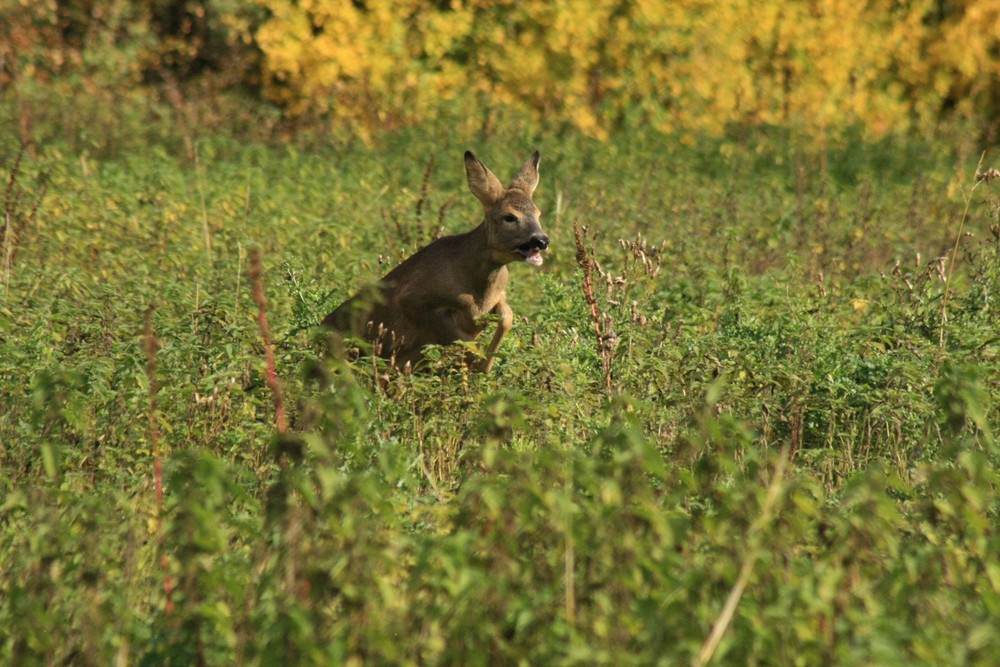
762,376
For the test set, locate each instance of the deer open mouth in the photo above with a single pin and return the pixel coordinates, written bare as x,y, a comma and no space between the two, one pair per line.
532,251
531,255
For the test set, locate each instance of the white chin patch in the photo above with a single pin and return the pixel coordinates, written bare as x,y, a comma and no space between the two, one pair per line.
534,257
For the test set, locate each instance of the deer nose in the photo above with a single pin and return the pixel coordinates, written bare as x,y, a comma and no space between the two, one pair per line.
540,241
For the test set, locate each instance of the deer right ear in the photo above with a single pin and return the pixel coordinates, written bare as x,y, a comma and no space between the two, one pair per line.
483,183
527,177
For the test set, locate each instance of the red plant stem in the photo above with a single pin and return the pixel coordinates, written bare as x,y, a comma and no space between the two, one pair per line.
168,585
270,372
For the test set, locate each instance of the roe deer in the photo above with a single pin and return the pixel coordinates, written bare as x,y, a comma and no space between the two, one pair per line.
443,292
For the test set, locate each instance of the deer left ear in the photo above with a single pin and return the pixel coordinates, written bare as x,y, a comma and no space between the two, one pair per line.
482,182
527,178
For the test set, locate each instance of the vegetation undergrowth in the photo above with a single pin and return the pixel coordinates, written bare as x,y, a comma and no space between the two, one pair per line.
757,383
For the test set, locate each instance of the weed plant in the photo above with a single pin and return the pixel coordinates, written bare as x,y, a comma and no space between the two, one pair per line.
755,416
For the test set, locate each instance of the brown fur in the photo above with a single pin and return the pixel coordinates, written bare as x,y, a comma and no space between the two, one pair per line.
442,293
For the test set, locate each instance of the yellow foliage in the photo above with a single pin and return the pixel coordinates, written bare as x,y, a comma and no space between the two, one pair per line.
686,66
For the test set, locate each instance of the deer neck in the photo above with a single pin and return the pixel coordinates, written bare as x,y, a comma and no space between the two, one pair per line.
480,260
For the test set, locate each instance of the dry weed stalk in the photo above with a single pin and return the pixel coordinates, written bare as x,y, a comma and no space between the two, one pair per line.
239,275
15,220
640,253
981,177
987,175
11,198
643,261
569,555
606,338
204,208
172,92
271,374
151,344
422,199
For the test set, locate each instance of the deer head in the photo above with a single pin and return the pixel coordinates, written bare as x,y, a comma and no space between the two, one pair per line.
510,217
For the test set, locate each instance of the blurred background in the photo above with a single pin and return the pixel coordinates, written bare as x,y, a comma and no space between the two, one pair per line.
359,68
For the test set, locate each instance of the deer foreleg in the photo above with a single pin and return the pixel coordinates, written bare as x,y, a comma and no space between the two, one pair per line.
503,326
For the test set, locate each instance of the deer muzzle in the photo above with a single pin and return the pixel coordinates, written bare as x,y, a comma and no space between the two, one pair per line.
532,250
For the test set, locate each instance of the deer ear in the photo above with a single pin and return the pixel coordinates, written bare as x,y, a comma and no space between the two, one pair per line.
482,182
527,178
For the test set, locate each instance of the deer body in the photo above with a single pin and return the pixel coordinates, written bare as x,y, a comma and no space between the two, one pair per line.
443,292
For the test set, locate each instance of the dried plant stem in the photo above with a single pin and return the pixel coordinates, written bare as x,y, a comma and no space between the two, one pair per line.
569,555
239,254
767,512
954,255
271,374
587,263
424,188
204,208
7,239
10,192
239,275
8,252
151,344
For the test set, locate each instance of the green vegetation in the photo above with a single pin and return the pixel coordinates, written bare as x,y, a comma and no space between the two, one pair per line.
746,415
782,408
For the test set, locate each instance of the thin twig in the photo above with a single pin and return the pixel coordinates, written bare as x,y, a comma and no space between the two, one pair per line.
954,254
569,556
755,538
204,208
8,237
424,189
239,253
239,275
151,345
8,252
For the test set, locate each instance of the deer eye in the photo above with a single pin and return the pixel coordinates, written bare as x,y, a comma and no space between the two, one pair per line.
510,218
